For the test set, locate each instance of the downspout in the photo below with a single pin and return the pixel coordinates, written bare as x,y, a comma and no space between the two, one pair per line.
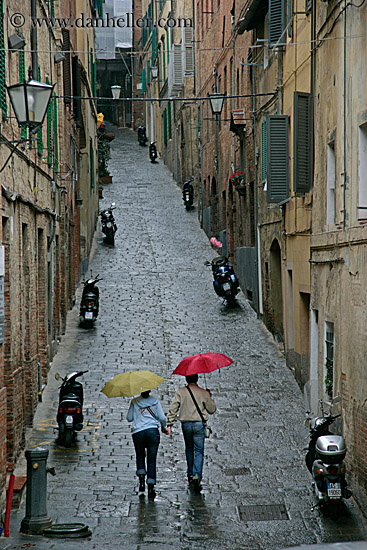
280,80
259,305
345,115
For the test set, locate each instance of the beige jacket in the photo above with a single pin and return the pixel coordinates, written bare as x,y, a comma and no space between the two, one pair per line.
184,404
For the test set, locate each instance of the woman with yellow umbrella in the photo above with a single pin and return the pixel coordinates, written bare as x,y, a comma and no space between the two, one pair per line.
146,414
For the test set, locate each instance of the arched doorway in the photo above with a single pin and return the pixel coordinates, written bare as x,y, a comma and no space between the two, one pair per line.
276,294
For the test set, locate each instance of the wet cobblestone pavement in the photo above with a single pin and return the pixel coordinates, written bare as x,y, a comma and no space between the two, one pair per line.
157,305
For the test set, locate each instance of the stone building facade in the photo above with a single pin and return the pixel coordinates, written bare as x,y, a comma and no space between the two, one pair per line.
49,203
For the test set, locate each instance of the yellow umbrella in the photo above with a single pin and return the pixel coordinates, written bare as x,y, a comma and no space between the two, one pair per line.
131,383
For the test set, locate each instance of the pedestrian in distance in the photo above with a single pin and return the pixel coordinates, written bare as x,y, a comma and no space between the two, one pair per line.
187,402
146,414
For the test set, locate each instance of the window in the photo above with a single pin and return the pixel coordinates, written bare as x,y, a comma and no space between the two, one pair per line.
329,359
331,184
277,158
362,172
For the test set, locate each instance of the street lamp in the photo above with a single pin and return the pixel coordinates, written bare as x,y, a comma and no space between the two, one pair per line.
216,102
30,101
154,72
116,91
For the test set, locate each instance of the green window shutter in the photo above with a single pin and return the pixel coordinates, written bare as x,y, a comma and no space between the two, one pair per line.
21,66
165,126
302,146
92,169
169,121
143,82
56,141
39,131
49,131
148,72
154,45
52,8
278,158
264,159
3,103
276,21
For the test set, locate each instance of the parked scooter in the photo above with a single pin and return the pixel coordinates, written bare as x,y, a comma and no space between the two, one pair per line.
109,226
188,194
325,458
70,412
89,305
153,154
142,137
225,282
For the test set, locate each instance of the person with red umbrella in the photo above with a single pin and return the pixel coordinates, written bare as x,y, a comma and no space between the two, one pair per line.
193,404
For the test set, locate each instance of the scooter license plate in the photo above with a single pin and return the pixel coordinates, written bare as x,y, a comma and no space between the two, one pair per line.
226,286
69,420
89,315
334,490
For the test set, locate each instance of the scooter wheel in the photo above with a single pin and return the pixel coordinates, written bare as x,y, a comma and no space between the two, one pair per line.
68,437
231,301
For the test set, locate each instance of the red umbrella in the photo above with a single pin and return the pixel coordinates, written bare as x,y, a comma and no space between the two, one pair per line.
202,363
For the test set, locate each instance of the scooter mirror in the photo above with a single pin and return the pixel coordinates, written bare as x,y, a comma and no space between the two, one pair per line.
113,204
336,400
206,262
57,376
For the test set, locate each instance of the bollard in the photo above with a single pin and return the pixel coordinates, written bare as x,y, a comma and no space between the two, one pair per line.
36,519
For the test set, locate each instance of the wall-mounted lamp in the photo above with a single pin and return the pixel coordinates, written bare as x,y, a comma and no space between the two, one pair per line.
16,41
58,57
154,71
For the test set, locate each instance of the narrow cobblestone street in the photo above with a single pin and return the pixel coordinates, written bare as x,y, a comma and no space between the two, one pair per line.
157,305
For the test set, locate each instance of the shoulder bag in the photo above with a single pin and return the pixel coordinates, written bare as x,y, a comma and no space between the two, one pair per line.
207,429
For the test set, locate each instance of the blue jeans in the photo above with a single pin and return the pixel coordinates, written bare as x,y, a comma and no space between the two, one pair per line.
147,440
194,436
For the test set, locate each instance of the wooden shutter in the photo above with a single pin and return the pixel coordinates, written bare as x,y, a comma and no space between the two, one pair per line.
21,67
187,41
276,21
77,90
66,73
165,126
302,145
40,129
169,121
278,158
56,140
49,131
3,103
264,145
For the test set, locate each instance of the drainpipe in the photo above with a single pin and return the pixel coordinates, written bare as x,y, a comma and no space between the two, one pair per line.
280,80
345,115
257,229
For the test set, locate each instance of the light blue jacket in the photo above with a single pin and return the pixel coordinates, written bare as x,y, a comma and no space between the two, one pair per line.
141,417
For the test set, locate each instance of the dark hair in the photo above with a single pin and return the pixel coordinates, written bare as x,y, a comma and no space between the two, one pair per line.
145,393
192,378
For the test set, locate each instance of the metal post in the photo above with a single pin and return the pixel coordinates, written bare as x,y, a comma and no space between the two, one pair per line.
36,519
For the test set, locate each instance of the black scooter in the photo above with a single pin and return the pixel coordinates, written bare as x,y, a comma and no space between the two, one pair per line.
109,226
188,194
142,137
325,459
225,282
70,412
89,304
153,154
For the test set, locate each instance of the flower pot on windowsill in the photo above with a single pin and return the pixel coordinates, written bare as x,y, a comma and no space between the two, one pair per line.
105,179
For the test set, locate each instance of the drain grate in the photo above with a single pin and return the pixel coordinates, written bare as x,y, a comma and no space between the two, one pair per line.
236,471
266,512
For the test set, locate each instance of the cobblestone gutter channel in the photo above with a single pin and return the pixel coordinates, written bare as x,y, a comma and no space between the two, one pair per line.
157,306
